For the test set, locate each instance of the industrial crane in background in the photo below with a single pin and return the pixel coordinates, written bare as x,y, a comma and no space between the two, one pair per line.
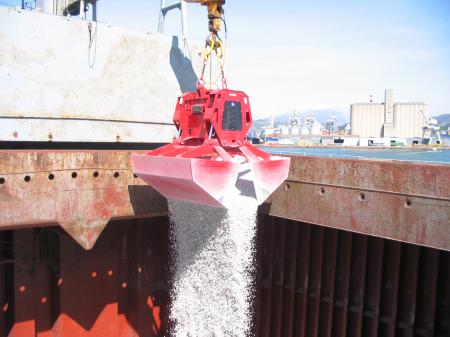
431,125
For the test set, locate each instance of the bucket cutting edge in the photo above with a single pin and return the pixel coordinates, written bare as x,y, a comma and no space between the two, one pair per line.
194,180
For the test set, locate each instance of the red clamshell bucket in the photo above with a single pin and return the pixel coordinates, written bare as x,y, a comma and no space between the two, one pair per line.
210,153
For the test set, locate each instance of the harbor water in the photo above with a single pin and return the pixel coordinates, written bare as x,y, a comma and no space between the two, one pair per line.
438,156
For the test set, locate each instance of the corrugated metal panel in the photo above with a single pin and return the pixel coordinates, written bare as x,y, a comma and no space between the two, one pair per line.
311,281
50,286
367,119
402,201
348,284
410,119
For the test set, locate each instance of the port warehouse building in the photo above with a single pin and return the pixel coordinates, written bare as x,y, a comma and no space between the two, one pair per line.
388,119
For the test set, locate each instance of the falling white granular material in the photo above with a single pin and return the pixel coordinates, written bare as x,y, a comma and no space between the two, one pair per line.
213,267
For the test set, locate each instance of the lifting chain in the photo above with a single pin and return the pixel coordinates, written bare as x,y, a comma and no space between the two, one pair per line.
213,44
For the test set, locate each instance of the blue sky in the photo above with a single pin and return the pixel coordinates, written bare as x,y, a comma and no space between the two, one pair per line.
320,54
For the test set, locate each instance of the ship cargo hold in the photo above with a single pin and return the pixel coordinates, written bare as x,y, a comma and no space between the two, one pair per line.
344,247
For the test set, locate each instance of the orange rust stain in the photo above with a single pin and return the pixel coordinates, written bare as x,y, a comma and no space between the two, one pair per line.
421,234
23,329
354,222
113,197
89,236
100,207
108,201
156,313
6,194
109,323
124,327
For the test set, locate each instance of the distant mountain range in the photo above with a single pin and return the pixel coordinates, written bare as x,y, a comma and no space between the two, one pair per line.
443,119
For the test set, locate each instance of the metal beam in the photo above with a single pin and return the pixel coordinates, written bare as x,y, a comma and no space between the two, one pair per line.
83,190
403,201
79,190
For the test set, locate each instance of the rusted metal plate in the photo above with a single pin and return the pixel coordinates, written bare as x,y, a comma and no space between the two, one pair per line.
79,190
328,282
314,282
342,278
389,290
349,284
82,190
408,202
50,286
289,278
368,286
407,294
357,282
119,288
371,309
415,179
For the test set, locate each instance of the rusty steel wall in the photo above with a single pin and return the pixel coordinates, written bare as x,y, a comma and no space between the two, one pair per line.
51,286
79,190
318,281
82,190
310,281
403,201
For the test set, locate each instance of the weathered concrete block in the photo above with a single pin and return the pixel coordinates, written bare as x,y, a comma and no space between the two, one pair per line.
67,76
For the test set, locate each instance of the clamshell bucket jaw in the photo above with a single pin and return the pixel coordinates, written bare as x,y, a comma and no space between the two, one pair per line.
269,172
196,180
208,160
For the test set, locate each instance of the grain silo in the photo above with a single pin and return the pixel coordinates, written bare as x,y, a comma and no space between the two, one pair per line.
388,119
